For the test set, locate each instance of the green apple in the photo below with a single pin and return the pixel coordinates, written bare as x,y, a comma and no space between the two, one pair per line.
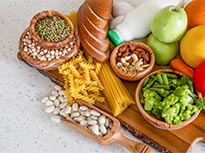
164,52
170,24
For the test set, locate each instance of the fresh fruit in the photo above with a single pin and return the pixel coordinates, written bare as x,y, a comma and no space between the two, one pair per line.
199,78
179,65
192,46
163,52
170,24
195,13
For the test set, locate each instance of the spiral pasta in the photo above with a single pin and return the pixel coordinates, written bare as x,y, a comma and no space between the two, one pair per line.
81,79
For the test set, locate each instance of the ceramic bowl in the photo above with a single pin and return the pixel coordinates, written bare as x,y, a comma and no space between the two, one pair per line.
139,47
46,44
151,118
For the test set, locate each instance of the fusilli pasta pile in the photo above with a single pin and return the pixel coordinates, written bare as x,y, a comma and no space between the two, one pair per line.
81,79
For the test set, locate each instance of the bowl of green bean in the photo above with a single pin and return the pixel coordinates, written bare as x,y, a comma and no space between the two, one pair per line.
167,99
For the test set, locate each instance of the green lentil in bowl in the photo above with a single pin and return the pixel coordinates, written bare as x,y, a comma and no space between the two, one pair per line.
52,29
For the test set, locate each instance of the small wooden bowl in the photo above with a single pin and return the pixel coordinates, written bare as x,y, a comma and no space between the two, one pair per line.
132,76
43,43
47,65
151,119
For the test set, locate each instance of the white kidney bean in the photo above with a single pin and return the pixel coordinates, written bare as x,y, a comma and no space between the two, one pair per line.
57,87
61,98
56,118
56,110
91,122
63,105
103,129
49,109
48,103
94,112
61,92
83,123
78,119
56,102
83,108
75,114
95,129
75,107
101,119
67,110
87,113
94,117
54,93
89,118
107,122
52,97
44,100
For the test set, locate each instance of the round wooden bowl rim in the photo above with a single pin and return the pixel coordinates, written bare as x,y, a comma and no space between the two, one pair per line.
47,65
152,120
46,44
130,76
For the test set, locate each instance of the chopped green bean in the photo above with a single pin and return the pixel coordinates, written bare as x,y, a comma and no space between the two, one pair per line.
161,86
165,79
159,78
146,81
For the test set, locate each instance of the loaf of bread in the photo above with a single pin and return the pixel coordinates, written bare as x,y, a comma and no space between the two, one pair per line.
93,24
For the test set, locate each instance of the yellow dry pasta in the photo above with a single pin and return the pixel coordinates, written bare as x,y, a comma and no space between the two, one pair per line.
81,80
115,91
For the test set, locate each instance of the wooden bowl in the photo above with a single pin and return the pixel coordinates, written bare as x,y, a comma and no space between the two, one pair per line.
46,44
132,76
47,65
151,119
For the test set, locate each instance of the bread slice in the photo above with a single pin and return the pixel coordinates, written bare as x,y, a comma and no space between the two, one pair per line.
101,45
102,8
98,55
99,22
97,32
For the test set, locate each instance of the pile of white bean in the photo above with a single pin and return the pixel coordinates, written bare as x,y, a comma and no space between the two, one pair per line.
57,104
43,54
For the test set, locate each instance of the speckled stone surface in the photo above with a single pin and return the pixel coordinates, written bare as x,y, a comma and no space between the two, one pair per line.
24,127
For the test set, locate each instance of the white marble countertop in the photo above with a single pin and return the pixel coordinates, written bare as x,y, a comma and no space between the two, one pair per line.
24,127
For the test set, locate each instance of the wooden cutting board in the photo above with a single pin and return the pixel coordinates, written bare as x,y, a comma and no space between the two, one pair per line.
177,141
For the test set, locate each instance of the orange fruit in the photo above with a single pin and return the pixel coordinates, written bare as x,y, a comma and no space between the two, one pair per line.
196,13
192,46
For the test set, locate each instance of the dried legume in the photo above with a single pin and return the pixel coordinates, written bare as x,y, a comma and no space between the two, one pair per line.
52,29
91,119
35,51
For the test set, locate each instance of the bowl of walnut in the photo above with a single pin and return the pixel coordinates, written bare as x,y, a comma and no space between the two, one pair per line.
132,60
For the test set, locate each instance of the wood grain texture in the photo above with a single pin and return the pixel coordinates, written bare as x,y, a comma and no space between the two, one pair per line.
176,141
48,65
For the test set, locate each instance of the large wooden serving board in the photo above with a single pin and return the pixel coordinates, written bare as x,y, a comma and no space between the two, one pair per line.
177,141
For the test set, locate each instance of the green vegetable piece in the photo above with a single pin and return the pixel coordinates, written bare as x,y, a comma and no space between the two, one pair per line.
169,114
171,76
149,84
165,79
200,103
184,80
159,78
184,94
161,86
162,92
146,81
190,84
150,99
